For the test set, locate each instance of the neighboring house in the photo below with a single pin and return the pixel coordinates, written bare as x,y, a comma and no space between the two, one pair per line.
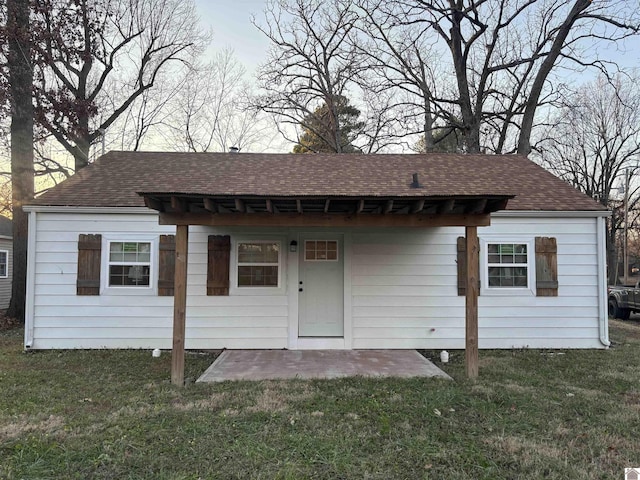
6,261
315,251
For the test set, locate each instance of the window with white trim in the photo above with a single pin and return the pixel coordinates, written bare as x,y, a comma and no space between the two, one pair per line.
507,265
4,263
258,263
129,264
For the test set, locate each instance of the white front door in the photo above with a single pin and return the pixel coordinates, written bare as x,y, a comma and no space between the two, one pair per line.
321,286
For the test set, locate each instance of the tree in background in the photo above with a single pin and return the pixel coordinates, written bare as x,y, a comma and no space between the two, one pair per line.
94,59
442,140
318,129
310,63
593,142
482,68
212,111
20,80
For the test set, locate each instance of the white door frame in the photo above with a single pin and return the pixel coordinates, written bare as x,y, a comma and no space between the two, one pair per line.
296,343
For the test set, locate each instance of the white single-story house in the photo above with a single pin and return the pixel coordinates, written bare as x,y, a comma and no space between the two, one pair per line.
284,251
6,261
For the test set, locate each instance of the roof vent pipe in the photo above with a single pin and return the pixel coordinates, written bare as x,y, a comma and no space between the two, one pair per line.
234,150
416,182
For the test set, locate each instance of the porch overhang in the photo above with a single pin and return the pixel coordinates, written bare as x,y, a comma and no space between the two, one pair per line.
185,209
330,211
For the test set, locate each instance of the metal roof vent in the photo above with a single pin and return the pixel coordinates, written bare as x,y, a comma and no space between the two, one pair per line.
234,150
416,182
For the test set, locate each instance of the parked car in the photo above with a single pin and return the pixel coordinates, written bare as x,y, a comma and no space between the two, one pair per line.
623,301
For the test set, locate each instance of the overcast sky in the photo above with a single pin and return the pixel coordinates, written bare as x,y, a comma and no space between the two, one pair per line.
232,27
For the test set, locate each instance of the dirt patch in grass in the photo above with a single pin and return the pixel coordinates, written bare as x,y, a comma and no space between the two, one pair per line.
8,323
628,330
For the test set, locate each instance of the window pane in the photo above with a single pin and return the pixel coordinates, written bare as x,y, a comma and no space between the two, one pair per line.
130,252
258,252
494,258
508,276
115,252
129,275
321,250
258,276
3,264
507,253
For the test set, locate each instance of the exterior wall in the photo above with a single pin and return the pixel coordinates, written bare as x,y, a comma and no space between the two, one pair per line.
400,292
6,243
62,319
405,290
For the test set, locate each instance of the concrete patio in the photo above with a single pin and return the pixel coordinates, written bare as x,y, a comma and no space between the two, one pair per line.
307,364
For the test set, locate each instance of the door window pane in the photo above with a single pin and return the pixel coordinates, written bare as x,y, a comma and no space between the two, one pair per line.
321,250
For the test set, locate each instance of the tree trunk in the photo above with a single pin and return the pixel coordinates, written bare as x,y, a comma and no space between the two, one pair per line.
21,80
470,119
524,140
82,141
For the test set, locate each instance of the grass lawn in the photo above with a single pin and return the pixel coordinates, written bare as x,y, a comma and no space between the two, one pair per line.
114,415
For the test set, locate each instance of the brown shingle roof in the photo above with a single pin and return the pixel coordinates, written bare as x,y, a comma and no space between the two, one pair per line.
117,177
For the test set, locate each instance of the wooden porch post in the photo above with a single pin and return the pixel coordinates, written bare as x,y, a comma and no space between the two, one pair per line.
179,305
471,303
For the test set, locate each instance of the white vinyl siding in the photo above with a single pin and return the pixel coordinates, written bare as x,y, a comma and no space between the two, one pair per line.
400,284
405,290
62,319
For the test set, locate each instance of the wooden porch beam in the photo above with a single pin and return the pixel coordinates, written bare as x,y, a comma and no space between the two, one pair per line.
324,220
471,302
269,205
240,206
446,206
360,207
326,205
179,204
388,206
179,305
477,206
418,206
210,205
154,204
298,205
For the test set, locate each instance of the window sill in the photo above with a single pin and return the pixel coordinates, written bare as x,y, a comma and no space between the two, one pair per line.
128,291
507,292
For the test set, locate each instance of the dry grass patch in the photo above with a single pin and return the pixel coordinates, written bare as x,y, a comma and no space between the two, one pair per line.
25,425
215,401
527,450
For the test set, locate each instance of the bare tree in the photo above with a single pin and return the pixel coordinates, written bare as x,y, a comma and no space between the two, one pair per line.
484,67
96,57
212,110
594,143
311,64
